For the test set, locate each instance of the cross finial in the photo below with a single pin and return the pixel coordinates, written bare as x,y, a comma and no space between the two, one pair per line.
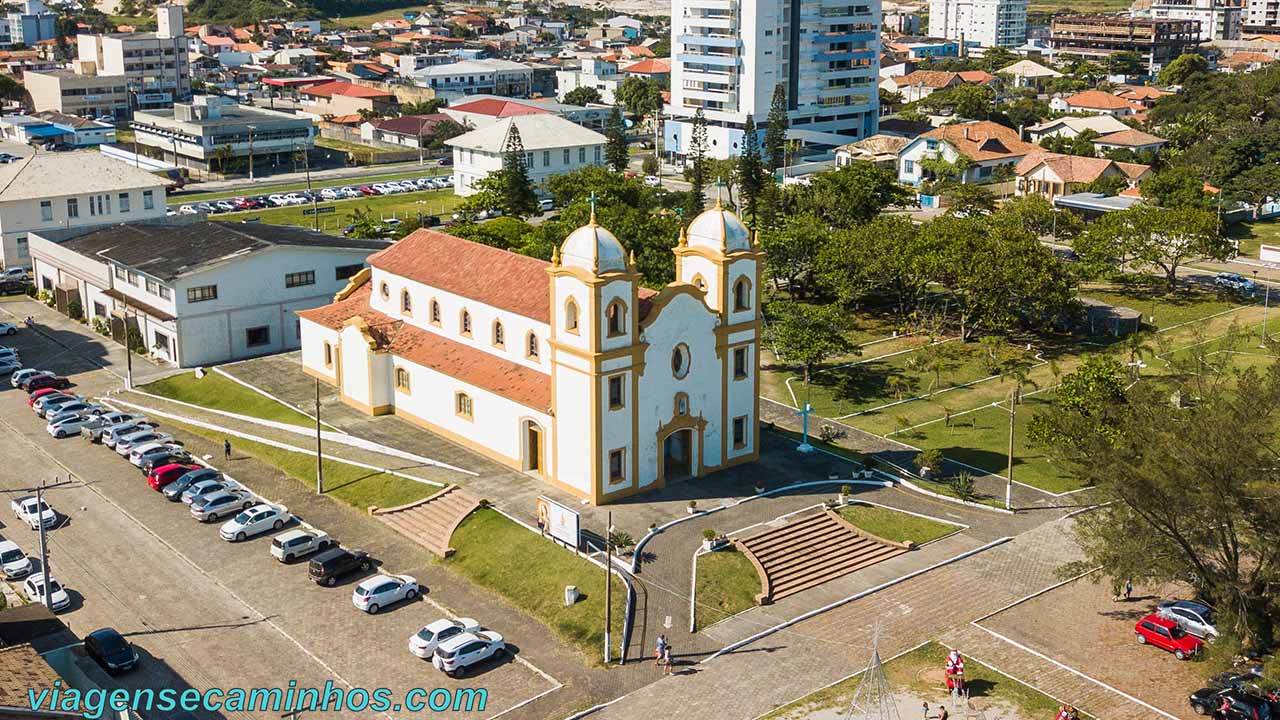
592,200
719,184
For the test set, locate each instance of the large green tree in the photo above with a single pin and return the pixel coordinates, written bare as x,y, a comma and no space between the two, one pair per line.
696,160
792,249
750,173
615,149
583,95
850,194
775,132
1182,68
1145,235
887,256
805,335
641,97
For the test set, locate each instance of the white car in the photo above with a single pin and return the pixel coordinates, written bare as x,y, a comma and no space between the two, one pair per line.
33,512
126,444
188,210
1193,617
13,562
74,404
460,653
380,591
33,588
294,199
276,199
23,375
350,192
296,543
652,181
71,410
51,398
255,521
230,501
114,434
225,206
423,643
330,194
15,273
66,426
8,328
144,454
207,487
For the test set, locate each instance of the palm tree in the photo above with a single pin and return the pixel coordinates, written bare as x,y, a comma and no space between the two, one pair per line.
1135,343
1014,371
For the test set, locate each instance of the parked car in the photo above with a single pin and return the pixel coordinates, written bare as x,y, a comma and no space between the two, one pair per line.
1193,617
368,190
1166,635
208,508
66,426
1236,282
9,364
295,543
379,591
652,181
423,643
65,410
546,204
34,589
205,207
162,475
1206,701
174,490
175,456
33,513
10,352
111,651
1239,705
99,424
206,487
14,273
126,444
40,382
255,521
112,435
188,210
39,395
16,379
329,194
46,407
8,328
160,447
224,206
13,287
14,563
326,567
457,655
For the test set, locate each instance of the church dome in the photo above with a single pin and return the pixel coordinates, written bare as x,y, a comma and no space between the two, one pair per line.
720,230
594,249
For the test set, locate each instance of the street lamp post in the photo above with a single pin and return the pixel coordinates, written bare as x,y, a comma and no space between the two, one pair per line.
44,548
251,128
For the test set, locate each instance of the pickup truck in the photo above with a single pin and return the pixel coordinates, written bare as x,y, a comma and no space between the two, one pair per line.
295,543
34,512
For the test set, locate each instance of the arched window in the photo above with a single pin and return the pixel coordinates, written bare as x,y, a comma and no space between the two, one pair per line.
616,315
700,283
465,323
402,379
681,404
742,295
680,361
499,336
384,291
406,304
531,343
435,312
571,316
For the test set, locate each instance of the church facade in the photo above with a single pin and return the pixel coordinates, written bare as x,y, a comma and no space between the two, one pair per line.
570,370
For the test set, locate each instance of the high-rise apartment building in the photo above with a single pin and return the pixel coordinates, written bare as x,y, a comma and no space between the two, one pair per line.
989,23
154,65
1158,42
729,55
1261,16
1219,19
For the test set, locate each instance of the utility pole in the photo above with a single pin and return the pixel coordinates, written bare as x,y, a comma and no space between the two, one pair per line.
1013,416
1266,303
128,351
319,454
315,214
44,548
608,585
250,152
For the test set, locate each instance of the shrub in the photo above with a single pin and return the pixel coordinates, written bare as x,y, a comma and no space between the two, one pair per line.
100,326
75,311
620,540
135,341
708,534
962,485
649,165
846,490
931,458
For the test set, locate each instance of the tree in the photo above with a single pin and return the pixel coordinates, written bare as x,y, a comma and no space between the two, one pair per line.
616,155
969,199
640,96
849,195
1255,186
1166,238
582,95
750,173
649,165
808,335
507,189
422,107
1034,213
1106,185
1085,397
1025,112
775,133
1180,186
1182,68
444,131
363,224
792,251
696,159
1081,144
1125,62
1156,462
888,255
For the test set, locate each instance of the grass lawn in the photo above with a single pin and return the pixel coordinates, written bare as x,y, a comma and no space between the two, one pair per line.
357,151
918,674
498,554
1250,235
981,439
942,487
217,392
428,170
1169,309
893,525
355,486
365,21
727,584
403,206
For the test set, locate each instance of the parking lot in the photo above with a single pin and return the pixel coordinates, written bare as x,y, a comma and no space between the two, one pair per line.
203,612
319,195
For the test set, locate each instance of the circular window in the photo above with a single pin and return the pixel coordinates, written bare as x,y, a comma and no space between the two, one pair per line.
384,291
680,361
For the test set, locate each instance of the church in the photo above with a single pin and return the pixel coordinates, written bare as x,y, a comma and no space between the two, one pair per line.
569,371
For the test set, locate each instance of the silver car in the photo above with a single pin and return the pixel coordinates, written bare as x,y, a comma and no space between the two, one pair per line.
209,508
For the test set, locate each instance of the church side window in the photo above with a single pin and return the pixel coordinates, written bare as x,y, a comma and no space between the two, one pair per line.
741,295
462,405
465,323
616,315
531,343
739,363
435,312
740,432
700,283
402,379
406,303
571,316
499,335
680,361
617,461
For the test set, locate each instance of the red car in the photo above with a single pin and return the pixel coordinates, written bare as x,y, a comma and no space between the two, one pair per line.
36,395
1166,635
369,190
166,474
41,382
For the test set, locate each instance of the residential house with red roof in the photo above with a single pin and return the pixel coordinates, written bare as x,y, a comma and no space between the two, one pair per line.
983,144
1053,174
1096,102
344,98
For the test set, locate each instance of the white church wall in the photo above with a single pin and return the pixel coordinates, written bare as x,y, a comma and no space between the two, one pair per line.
314,336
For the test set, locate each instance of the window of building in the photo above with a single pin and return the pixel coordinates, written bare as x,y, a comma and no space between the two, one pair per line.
402,379
740,432
682,404
739,363
742,295
123,199
257,336
571,316
384,291
99,310
566,156
328,355
462,405
700,283
464,323
21,240
165,293
135,279
298,279
73,208
435,313
342,272
908,167
148,200
406,303
582,155
531,345
159,341
680,361
616,315
153,287
202,293
46,210
121,273
597,161
47,283
617,460
499,335
546,158
617,398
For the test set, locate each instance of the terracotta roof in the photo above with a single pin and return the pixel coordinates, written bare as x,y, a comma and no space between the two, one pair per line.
353,119
1146,92
639,51
335,314
929,78
1247,58
1134,191
982,140
1131,138
411,124
1133,171
218,41
649,67
338,87
497,107
977,77
249,47
495,277
23,670
1078,169
1097,99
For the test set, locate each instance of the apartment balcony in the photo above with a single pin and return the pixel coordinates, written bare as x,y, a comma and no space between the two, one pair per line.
724,61
842,55
705,76
727,98
716,41
714,22
709,4
839,37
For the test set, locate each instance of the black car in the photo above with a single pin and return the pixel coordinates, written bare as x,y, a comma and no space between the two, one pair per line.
175,457
328,566
109,649
173,491
1240,705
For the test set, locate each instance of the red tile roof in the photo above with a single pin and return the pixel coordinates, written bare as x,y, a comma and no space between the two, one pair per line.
338,87
495,277
977,77
411,124
1129,138
983,140
496,107
1098,100
649,67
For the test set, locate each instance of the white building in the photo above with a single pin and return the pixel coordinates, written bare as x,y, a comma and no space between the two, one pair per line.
985,145
1262,15
489,76
1218,20
199,292
154,66
211,131
595,73
552,146
569,370
49,191
729,55
990,23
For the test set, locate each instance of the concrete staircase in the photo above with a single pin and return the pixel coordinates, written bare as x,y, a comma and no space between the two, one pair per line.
430,522
810,551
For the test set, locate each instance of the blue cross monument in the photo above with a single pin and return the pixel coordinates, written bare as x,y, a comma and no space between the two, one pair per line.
804,446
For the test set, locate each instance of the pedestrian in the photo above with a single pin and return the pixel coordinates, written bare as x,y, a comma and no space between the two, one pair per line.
226,449
1128,588
924,711
942,712
660,649
666,660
